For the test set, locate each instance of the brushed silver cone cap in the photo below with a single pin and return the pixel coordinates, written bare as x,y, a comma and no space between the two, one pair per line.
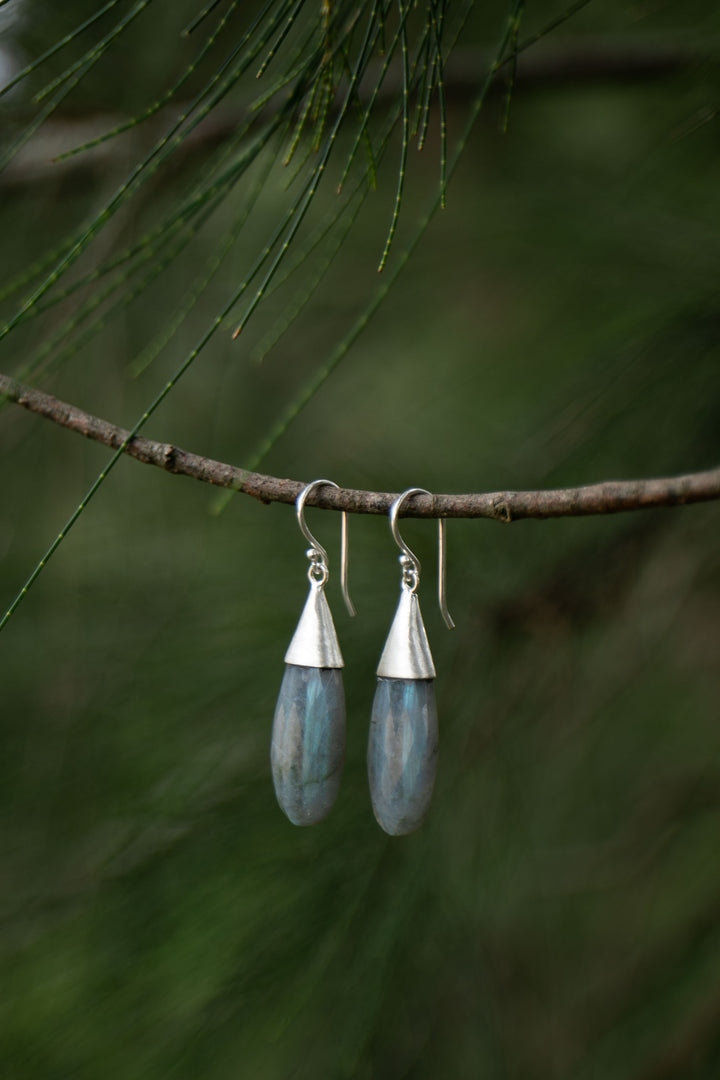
315,642
407,653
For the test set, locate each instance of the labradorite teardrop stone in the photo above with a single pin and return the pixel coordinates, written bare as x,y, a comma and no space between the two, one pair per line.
308,742
402,753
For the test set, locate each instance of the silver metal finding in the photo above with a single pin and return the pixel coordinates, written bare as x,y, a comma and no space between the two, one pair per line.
314,643
406,654
318,571
410,562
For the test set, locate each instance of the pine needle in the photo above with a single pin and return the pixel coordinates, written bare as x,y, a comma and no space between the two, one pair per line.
166,98
95,52
192,26
516,17
405,133
66,40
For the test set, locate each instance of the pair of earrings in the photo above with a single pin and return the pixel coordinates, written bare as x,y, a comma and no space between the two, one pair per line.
308,740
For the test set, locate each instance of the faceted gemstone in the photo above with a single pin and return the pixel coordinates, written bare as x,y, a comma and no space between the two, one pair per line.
308,742
402,753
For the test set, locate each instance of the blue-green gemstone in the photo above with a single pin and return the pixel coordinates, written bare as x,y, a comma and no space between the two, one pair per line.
308,742
402,753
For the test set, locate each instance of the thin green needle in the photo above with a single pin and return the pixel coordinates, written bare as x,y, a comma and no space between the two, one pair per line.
57,46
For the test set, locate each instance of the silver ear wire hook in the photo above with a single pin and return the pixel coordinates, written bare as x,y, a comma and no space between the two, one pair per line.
410,562
318,555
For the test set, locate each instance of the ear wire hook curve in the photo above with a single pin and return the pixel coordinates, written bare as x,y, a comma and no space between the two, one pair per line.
317,547
413,563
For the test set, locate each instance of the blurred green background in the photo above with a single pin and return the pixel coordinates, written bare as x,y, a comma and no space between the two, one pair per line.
558,915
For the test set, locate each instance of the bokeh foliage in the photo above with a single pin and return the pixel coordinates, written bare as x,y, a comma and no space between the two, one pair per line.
557,916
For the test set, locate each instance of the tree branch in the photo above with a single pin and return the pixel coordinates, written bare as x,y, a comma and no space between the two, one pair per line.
573,61
611,497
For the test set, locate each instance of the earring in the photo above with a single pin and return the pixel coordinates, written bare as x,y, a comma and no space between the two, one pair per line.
403,742
308,737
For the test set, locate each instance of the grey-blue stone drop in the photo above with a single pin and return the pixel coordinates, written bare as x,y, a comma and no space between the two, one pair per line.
308,742
402,753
